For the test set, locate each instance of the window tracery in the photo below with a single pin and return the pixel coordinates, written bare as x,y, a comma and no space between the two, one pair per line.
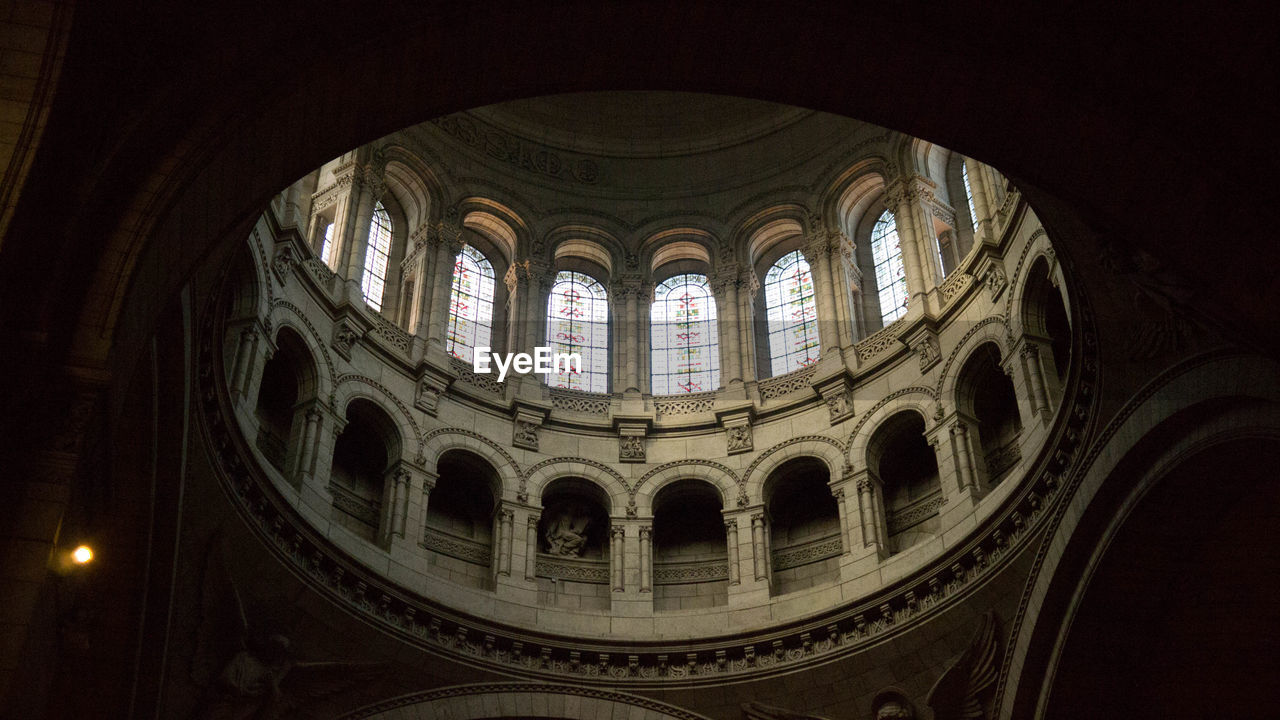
891,277
792,313
578,322
683,336
376,258
470,304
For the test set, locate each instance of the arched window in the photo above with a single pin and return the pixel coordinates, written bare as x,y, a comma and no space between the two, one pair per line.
326,249
376,257
470,304
578,322
686,351
792,312
968,194
891,278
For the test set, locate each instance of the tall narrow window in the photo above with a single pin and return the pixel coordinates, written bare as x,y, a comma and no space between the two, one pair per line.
968,194
326,248
470,304
376,257
578,323
686,352
891,277
792,312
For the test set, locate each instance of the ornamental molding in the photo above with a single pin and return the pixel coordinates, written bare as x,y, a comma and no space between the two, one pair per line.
961,345
746,477
464,549
807,553
857,428
391,334
316,337
663,710
404,411
954,286
481,381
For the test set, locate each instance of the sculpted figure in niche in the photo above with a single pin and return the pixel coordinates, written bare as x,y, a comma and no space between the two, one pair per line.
566,534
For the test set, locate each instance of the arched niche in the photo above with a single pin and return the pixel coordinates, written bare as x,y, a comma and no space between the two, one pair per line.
690,554
364,455
287,390
900,458
458,532
804,526
573,545
1045,321
985,399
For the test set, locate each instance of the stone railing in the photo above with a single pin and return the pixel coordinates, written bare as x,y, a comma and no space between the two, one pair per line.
583,570
809,552
880,341
776,387
684,404
362,509
455,546
692,571
391,333
915,513
487,382
954,285
580,401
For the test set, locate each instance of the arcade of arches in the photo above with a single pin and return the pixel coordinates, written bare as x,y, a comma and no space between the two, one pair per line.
863,428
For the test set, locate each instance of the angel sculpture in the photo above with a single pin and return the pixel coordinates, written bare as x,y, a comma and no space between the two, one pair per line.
247,675
960,692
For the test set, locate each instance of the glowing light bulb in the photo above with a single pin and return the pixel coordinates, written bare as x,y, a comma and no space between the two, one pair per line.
82,555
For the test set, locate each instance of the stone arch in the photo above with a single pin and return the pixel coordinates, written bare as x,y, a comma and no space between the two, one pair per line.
1232,397
992,329
614,485
722,478
439,441
1037,247
350,387
529,700
285,314
829,450
921,400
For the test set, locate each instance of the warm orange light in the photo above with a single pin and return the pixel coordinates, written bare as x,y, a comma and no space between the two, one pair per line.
82,555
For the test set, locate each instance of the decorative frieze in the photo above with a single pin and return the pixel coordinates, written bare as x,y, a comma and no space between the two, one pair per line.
810,552
391,334
461,548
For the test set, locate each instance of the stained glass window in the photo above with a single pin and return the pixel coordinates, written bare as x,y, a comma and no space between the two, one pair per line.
470,304
376,258
792,313
326,249
891,277
578,322
968,194
685,349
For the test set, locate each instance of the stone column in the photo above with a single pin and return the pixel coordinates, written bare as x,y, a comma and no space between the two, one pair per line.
816,252
626,332
724,287
731,539
900,198
396,504
1035,379
243,365
644,359
981,199
964,456
845,522
305,464
366,190
646,558
428,484
617,552
531,548
869,509
506,522
840,290
759,548
448,245
748,286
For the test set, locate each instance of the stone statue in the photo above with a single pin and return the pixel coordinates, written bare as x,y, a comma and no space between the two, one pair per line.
254,675
566,534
